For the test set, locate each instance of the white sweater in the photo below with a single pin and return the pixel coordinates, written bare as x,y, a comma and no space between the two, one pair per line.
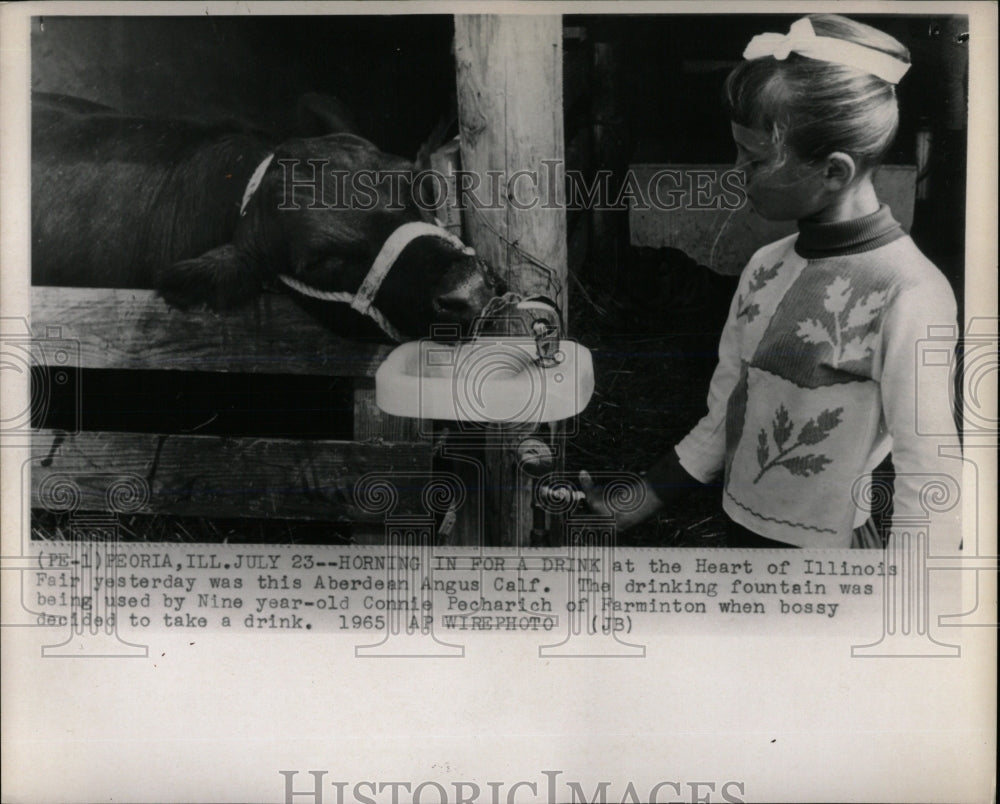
819,378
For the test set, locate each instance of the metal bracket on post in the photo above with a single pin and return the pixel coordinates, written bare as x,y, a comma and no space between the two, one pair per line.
965,365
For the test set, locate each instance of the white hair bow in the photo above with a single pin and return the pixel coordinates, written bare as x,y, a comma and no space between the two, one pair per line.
802,39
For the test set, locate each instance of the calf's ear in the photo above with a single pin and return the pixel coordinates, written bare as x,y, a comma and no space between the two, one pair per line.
218,278
317,115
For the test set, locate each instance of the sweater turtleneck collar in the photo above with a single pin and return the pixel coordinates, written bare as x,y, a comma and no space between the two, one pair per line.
817,240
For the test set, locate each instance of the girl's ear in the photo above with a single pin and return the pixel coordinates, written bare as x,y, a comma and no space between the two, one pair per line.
839,170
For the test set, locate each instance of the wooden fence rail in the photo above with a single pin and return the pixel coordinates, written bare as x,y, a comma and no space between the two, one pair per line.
135,329
216,476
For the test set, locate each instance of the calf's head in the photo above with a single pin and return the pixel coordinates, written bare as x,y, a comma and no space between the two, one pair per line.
321,213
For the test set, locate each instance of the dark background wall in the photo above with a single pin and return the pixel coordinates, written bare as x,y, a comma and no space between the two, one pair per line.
672,72
396,73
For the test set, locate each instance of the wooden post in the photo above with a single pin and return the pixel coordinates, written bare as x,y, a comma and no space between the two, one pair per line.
510,111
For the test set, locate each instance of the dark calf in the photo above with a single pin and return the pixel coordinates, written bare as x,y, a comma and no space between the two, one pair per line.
121,201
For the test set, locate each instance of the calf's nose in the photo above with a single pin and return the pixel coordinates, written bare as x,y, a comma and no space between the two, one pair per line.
458,305
465,302
454,304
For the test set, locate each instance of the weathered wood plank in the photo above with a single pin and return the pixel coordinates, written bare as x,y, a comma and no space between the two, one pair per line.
511,119
134,329
371,422
511,124
221,477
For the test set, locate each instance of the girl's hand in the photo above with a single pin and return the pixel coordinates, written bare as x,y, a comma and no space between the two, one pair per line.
595,494
648,504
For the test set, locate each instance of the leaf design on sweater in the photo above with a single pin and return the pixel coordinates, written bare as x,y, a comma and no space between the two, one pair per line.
764,275
866,309
782,427
843,317
749,312
811,331
805,465
746,307
816,430
837,293
858,348
763,451
812,432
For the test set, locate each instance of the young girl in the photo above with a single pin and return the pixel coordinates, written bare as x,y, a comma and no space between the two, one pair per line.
818,377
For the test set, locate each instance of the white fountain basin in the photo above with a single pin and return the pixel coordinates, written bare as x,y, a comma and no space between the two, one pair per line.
496,379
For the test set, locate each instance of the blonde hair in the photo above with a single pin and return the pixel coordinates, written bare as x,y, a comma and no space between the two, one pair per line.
817,107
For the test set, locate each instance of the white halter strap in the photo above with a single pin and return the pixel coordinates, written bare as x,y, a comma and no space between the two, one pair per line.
363,301
391,250
343,296
254,183
802,39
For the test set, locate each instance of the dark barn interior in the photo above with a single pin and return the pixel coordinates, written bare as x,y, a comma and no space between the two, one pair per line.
645,89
